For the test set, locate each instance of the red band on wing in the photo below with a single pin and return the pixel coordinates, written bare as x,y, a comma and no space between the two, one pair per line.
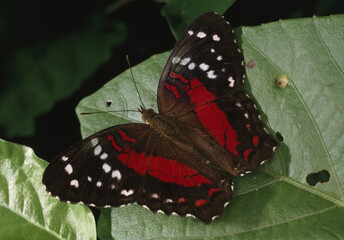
200,202
231,146
166,170
212,118
256,140
114,144
212,190
180,77
125,137
246,153
173,89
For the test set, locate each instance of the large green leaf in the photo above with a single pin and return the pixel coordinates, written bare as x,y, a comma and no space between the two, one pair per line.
27,211
179,13
310,112
276,202
39,75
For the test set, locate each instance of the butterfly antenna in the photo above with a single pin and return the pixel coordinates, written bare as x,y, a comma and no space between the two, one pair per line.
88,113
132,75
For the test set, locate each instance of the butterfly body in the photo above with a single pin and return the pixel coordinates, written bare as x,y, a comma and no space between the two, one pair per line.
206,129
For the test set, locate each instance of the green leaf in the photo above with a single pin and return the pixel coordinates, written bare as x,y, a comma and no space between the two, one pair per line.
27,211
42,74
276,202
104,225
310,52
179,13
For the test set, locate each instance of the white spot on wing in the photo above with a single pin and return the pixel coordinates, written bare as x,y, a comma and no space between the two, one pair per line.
113,186
97,150
201,35
212,50
99,184
219,58
169,200
216,37
89,178
155,195
204,66
116,174
190,32
192,66
69,169
185,61
106,167
94,141
74,183
104,156
211,74
246,115
127,193
231,81
64,158
175,60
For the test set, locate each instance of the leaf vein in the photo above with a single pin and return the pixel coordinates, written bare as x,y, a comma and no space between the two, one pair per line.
286,221
326,48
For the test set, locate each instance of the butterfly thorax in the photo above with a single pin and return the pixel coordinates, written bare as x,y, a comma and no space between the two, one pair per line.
162,124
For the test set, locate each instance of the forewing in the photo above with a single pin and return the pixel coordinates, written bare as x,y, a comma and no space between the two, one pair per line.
206,51
201,88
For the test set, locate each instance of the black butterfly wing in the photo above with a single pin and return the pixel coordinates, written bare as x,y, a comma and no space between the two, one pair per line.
201,87
206,54
131,163
94,171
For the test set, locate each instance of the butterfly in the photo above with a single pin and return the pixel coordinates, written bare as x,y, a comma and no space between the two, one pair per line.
180,161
